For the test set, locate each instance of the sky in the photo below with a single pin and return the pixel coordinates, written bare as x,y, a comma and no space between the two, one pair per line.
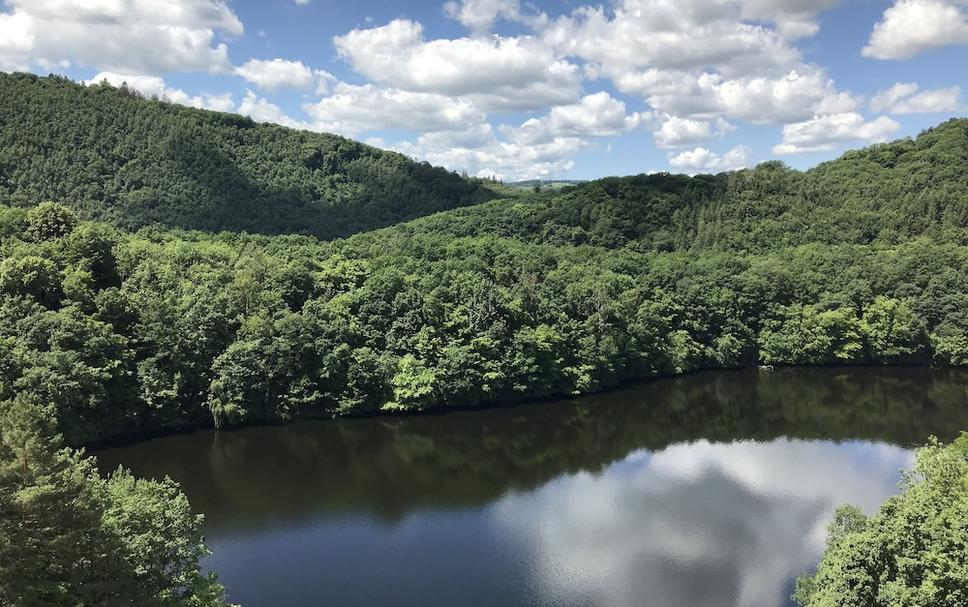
567,89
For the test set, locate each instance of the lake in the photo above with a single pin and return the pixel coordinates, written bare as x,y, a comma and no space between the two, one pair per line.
712,489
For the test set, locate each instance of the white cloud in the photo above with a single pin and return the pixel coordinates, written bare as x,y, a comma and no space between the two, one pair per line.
676,131
453,133
496,73
153,86
480,15
702,160
704,59
263,110
665,35
794,96
273,74
354,109
482,154
904,98
793,18
911,27
596,115
824,133
141,36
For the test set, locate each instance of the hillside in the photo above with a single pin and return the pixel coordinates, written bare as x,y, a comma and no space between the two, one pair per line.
863,260
884,195
114,156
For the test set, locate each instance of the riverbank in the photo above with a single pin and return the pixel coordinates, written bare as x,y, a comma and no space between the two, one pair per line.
136,437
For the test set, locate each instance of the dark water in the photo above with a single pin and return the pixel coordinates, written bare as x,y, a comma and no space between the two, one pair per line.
708,490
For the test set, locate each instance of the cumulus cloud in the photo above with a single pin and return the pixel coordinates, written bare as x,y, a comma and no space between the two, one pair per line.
702,160
484,155
911,27
904,98
261,109
353,109
826,132
793,18
663,35
139,36
480,15
675,131
276,74
701,59
596,115
497,73
790,97
153,86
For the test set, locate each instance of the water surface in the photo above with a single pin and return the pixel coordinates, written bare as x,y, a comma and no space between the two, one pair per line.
707,490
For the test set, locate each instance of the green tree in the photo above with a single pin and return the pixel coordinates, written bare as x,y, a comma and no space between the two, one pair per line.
49,221
31,276
804,334
69,537
892,331
950,340
911,553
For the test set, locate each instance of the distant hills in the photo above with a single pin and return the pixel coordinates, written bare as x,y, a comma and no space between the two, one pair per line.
112,155
885,194
545,183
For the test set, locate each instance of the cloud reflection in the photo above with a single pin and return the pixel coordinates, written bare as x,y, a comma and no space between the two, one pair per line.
698,524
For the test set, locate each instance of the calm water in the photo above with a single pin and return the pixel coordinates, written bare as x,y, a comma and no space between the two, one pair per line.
708,490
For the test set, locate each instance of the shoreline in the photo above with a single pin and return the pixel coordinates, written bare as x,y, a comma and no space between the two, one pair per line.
130,439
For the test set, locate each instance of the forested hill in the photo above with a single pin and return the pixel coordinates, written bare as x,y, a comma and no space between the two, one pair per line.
862,260
885,194
114,156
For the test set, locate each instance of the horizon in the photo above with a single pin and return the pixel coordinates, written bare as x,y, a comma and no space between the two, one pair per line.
523,91
525,180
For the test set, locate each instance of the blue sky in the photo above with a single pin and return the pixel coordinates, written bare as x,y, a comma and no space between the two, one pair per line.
572,89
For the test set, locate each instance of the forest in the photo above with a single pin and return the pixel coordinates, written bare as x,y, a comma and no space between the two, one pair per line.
164,268
862,260
112,155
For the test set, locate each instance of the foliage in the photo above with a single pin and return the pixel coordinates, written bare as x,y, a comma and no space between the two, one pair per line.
911,553
135,333
111,155
48,221
562,292
70,537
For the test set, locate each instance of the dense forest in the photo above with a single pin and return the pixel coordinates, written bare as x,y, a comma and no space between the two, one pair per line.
118,333
163,267
863,260
111,155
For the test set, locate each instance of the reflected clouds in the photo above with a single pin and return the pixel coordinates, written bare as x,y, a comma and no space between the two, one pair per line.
712,489
695,524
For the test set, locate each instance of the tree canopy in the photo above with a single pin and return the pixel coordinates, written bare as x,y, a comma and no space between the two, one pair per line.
910,553
110,154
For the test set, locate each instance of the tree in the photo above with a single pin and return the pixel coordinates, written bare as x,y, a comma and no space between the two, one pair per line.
69,537
950,340
911,553
808,335
49,221
892,331
31,276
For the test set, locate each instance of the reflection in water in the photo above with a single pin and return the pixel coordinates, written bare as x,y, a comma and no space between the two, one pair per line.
695,524
679,492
